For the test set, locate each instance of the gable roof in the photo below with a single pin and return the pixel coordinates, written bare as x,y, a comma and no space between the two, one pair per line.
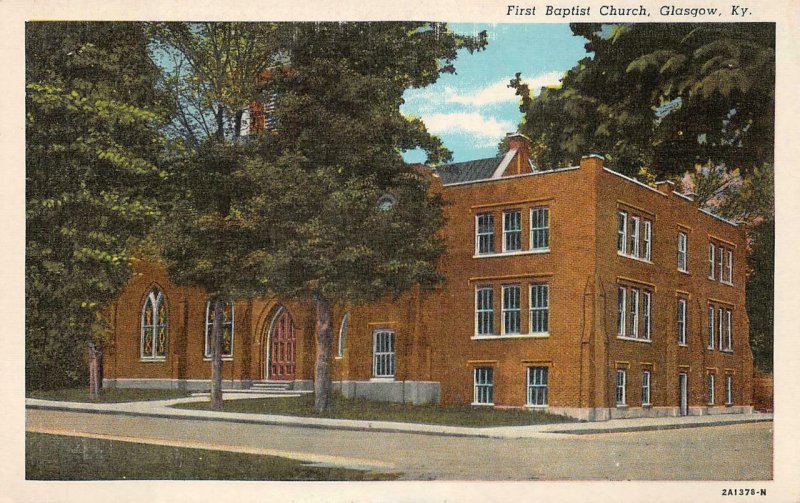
468,171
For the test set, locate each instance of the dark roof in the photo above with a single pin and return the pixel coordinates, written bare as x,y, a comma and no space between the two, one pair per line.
468,171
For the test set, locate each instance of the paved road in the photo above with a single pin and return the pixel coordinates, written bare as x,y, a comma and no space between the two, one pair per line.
739,452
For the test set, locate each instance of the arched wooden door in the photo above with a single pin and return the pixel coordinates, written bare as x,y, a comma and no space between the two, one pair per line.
281,347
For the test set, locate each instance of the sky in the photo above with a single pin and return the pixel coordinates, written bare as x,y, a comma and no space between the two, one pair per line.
472,110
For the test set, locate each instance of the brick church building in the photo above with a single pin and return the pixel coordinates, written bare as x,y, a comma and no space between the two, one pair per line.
575,290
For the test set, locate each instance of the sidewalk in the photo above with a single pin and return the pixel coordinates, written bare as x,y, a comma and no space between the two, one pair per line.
163,409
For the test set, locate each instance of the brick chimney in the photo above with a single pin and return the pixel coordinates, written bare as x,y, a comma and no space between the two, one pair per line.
592,161
665,187
521,162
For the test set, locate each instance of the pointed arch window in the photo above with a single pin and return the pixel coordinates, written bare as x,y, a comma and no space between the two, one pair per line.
227,329
155,321
342,335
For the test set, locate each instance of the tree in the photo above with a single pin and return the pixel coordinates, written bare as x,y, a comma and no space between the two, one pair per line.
214,73
350,221
93,110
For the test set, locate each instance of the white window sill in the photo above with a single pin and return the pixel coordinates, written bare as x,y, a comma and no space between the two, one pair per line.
535,407
483,404
726,351
726,283
684,345
152,360
338,357
682,271
634,339
382,379
511,253
622,405
638,259
224,358
537,335
647,405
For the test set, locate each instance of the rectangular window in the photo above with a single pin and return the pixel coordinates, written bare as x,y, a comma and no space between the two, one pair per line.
484,311
646,314
682,246
728,390
621,387
710,327
540,228
711,382
720,326
645,387
537,386
648,237
729,267
635,236
539,299
728,330
512,231
711,261
621,292
511,309
634,313
383,355
720,260
484,385
484,233
681,317
622,232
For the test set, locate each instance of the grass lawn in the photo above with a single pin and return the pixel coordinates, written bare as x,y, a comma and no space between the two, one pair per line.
56,457
349,408
108,395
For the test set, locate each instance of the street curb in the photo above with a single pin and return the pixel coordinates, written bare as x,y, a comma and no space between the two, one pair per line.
389,429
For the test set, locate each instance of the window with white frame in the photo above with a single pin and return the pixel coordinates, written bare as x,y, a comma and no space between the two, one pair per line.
720,264
645,387
621,307
634,248
648,237
729,267
646,314
711,261
681,320
540,228
511,309
512,230
153,338
711,385
537,386
728,330
621,385
720,328
383,353
484,310
634,313
484,385
484,233
342,335
622,232
227,329
710,327
539,300
729,390
683,240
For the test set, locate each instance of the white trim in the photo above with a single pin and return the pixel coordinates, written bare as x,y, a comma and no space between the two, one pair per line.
637,182
638,259
537,173
500,169
534,335
342,331
392,355
478,288
478,234
512,253
268,341
683,196
649,341
506,214
702,210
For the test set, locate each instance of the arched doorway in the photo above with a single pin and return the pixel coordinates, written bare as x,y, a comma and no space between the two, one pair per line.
280,347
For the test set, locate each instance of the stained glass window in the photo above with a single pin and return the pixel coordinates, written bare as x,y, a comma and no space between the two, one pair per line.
155,327
227,329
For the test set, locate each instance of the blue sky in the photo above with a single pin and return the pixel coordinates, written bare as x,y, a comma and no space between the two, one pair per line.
472,110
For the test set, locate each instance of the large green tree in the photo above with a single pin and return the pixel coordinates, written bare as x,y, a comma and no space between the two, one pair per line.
93,110
350,221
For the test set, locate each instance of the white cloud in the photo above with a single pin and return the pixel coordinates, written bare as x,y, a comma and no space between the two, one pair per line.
498,92
487,131
544,80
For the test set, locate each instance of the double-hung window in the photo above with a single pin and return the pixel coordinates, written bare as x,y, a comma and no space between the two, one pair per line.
720,328
537,386
227,329
621,307
646,314
622,232
728,330
711,261
484,233
681,317
634,310
711,382
648,237
511,309
539,298
645,387
383,353
728,277
683,240
728,390
484,385
621,378
635,236
512,230
540,228
721,263
710,327
484,310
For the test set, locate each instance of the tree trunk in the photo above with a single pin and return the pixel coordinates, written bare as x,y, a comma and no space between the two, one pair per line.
322,376
216,355
95,371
